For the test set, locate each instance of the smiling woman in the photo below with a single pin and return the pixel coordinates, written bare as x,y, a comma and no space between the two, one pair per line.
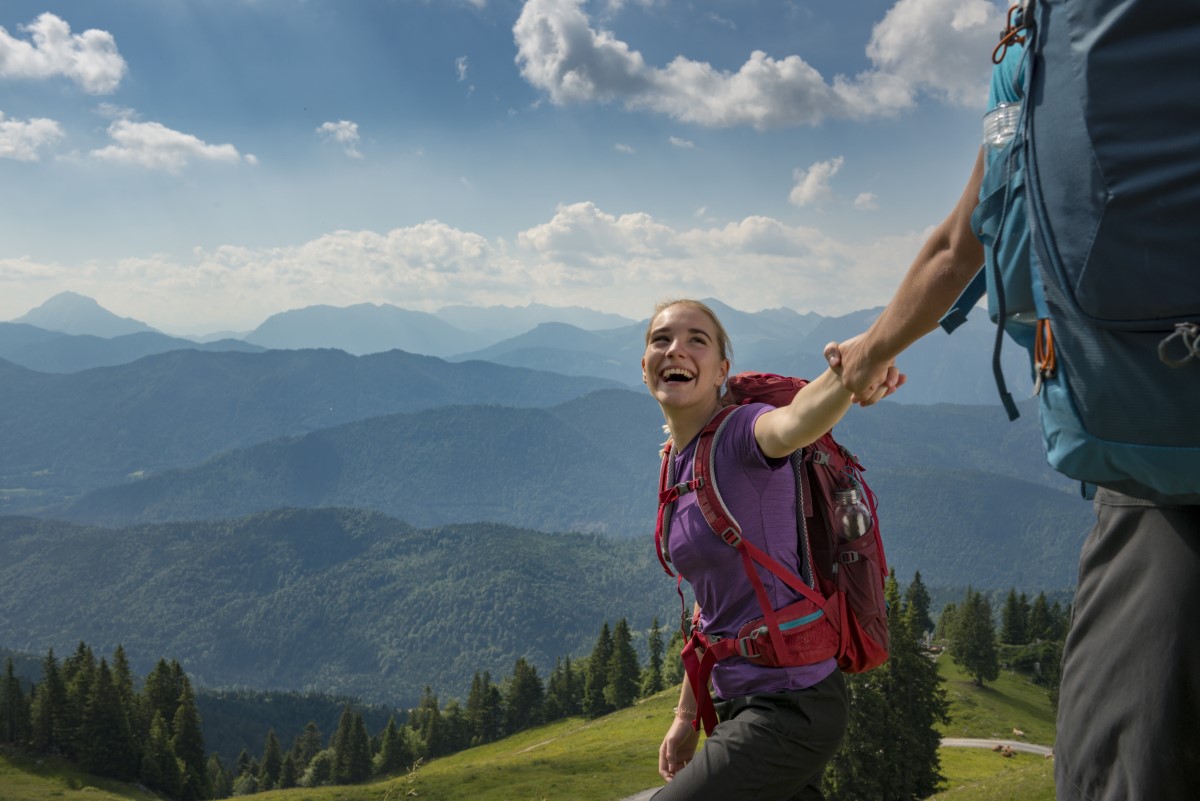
779,725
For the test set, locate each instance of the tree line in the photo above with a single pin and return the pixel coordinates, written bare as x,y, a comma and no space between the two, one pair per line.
1028,640
90,711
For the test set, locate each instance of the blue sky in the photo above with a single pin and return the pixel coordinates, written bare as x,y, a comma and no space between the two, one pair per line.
202,165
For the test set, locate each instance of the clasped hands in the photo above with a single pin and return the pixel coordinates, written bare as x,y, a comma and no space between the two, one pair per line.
869,380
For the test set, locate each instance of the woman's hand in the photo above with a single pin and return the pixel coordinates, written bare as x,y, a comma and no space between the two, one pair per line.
869,381
677,749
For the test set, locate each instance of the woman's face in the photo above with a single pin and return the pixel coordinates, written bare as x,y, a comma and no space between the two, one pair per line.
682,365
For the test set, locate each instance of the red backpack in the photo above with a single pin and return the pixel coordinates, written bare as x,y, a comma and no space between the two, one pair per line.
842,612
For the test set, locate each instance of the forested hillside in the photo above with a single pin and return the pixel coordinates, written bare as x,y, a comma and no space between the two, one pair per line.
339,601
965,496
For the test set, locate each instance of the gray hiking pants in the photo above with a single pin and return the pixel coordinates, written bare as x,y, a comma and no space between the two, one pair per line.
769,747
1129,706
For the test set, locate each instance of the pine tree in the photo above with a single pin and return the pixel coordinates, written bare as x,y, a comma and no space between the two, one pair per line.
484,714
973,641
218,778
78,674
652,677
106,746
596,678
621,687
159,770
455,731
1060,620
49,708
562,691
288,773
342,745
917,700
523,699
1014,619
1040,626
272,763
187,741
161,694
428,724
916,604
242,766
307,745
946,622
15,725
358,764
393,754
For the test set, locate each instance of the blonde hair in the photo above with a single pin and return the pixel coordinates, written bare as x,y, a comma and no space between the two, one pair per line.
724,344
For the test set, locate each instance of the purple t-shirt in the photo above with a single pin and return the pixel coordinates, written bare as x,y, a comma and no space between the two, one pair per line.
760,493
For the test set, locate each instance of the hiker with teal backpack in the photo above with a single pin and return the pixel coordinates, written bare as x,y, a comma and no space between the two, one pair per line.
1083,209
782,718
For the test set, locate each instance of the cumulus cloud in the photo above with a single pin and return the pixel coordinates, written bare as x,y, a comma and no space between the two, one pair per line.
460,65
344,133
812,185
920,46
623,148
24,140
935,45
90,59
583,255
683,143
154,146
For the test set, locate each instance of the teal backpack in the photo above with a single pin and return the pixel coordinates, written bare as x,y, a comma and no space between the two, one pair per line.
1090,219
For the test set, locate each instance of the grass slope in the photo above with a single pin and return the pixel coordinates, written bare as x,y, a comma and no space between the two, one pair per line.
25,778
993,711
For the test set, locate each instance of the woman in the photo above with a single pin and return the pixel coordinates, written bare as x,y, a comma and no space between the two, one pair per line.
779,725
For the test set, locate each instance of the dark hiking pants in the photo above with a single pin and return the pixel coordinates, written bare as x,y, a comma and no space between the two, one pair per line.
769,747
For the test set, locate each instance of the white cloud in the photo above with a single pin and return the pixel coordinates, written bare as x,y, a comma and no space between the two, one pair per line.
90,59
941,46
718,19
683,143
812,185
24,139
866,201
460,64
920,45
344,133
623,148
154,146
582,256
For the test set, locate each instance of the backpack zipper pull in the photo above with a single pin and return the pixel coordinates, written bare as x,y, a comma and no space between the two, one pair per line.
1043,355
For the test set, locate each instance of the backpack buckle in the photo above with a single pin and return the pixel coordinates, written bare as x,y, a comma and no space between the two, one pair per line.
732,536
847,557
747,646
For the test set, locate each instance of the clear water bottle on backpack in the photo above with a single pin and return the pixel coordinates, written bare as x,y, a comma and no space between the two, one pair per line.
851,518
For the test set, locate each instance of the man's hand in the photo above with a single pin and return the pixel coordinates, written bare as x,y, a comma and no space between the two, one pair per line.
869,381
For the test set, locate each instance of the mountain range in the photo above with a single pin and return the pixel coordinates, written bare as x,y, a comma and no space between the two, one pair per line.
569,341
68,433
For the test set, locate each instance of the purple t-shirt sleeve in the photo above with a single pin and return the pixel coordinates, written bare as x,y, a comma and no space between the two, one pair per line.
760,493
